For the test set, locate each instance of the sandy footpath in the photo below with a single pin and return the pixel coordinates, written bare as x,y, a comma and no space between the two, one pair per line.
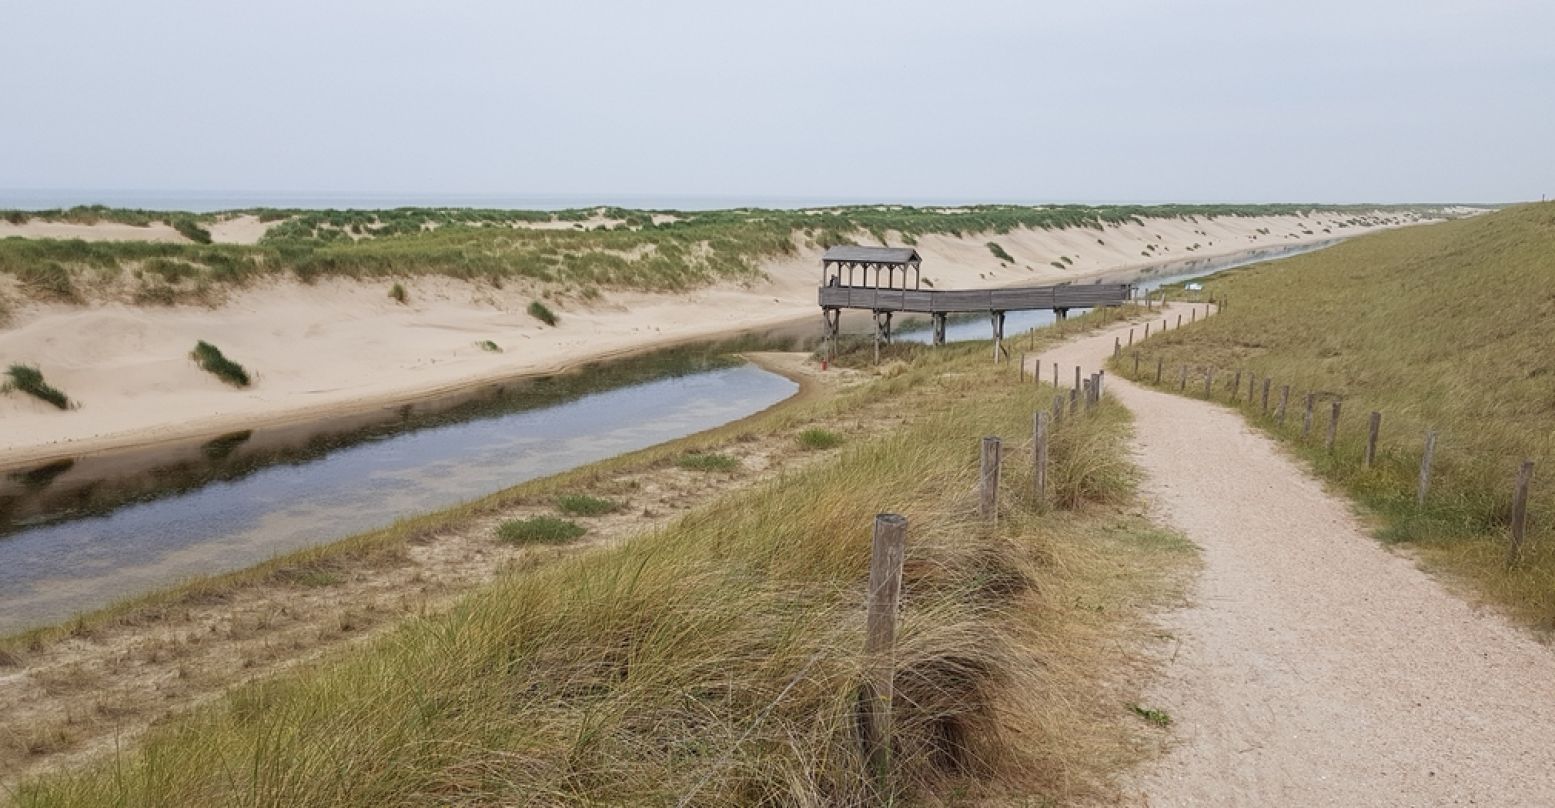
343,346
1314,667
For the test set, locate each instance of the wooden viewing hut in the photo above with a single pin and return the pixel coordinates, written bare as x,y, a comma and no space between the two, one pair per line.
851,279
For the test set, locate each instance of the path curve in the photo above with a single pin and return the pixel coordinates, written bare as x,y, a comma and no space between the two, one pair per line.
1313,666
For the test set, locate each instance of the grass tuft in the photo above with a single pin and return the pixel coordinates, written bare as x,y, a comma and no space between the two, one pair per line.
211,359
817,438
398,294
29,380
541,312
1000,253
539,530
585,505
489,346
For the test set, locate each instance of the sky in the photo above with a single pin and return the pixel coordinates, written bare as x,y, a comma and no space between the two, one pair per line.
1111,100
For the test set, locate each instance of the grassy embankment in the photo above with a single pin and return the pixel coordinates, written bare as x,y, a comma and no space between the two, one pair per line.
718,661
678,251
1446,327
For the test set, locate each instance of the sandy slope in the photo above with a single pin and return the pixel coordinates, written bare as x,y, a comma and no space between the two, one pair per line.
1313,666
345,346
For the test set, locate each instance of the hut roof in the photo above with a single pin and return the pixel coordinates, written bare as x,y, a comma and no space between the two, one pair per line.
855,254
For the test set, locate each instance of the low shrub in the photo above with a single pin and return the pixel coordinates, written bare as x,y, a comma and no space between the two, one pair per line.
190,229
29,380
397,292
541,312
1000,253
210,359
701,461
539,530
585,505
816,438
488,345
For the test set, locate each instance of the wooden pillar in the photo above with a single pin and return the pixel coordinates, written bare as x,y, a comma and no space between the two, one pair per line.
882,603
1333,426
988,492
1519,512
1039,457
939,327
1160,364
1373,427
1058,410
1077,377
1055,374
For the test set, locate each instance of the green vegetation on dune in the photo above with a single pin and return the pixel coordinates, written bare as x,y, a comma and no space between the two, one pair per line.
1445,328
682,250
29,380
211,360
718,661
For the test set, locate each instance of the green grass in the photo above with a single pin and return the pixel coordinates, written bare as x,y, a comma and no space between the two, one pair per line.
1447,328
541,312
398,294
586,505
1000,253
539,530
818,438
718,660
191,229
1158,717
29,380
708,461
489,346
211,359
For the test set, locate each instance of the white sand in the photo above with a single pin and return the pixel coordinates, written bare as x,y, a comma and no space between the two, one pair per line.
342,345
240,229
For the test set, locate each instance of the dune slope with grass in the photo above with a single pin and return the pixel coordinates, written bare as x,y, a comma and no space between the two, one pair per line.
346,311
1443,328
717,660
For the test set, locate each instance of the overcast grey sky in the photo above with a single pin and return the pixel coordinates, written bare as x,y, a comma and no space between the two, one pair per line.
1118,100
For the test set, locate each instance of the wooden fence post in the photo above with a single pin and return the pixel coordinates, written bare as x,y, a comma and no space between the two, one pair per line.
1373,428
1425,468
1179,321
1519,512
1074,401
1209,382
1022,367
1147,331
988,499
1077,377
1159,365
1039,458
882,602
1101,382
1266,382
1236,387
1117,345
1306,421
1193,314
1333,426
1182,383
1058,410
1131,338
1055,374
1279,412
1136,366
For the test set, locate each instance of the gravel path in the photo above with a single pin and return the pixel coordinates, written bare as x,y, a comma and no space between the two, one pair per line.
1314,667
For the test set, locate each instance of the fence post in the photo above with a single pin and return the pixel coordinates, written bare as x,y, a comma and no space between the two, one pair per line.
1179,321
1101,379
1117,345
1182,383
1333,426
1266,382
1193,314
1055,374
1159,365
1022,367
1236,387
1519,512
1131,338
1209,382
1371,437
1074,400
1306,421
1279,412
1425,468
1077,377
988,501
1058,410
1147,331
1136,366
1039,458
882,602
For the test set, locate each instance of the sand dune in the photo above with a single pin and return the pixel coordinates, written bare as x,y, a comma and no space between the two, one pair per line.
344,345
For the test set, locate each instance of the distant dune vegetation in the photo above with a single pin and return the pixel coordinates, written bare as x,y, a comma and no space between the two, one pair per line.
581,250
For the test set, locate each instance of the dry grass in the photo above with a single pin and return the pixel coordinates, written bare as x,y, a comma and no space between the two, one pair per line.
1446,327
717,661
